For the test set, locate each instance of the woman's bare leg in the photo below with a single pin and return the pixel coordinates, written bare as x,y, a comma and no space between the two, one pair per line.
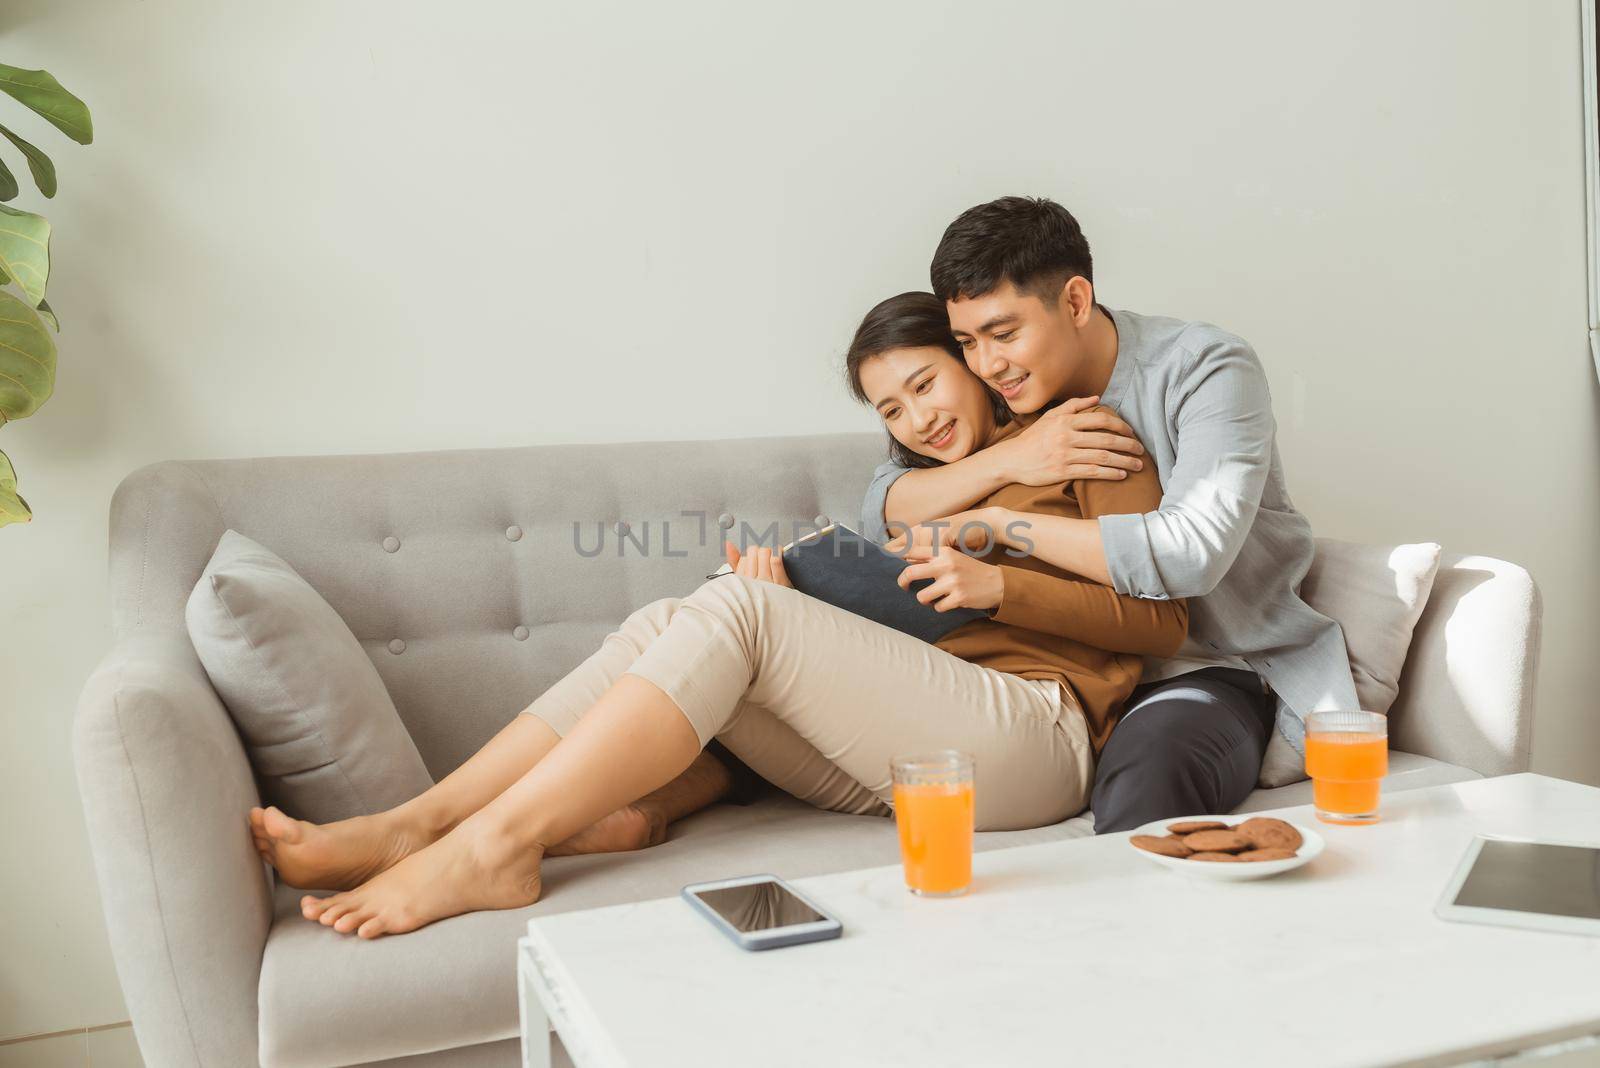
341,855
644,823
491,859
337,856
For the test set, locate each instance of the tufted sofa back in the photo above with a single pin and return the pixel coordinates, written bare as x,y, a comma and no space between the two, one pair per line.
475,578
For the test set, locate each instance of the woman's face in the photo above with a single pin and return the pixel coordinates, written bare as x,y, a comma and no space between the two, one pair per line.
929,402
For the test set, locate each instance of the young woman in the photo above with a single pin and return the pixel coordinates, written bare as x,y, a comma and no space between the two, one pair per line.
815,699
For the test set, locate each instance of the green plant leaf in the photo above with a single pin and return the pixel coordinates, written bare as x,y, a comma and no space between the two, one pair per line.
27,360
48,314
13,509
44,172
25,251
8,182
41,93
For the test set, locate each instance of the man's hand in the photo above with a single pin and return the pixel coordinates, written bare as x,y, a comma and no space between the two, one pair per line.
759,563
959,581
977,528
1069,442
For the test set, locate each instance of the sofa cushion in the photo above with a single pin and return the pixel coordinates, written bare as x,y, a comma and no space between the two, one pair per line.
1375,593
327,998
320,730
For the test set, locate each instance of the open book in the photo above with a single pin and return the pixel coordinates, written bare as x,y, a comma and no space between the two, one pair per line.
839,566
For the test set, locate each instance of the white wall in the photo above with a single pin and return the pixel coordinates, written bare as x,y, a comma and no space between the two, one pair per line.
344,227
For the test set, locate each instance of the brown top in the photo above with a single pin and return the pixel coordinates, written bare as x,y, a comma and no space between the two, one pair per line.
1053,624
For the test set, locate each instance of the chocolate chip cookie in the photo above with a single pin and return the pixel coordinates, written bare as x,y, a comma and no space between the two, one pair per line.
1223,841
1266,854
1166,847
1266,833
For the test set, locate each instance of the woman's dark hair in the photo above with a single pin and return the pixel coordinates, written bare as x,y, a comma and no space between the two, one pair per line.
908,321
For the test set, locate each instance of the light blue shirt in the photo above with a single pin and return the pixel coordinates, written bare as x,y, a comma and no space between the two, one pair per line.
1226,536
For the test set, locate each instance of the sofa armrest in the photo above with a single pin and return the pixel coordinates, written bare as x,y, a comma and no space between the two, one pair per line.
1467,691
166,788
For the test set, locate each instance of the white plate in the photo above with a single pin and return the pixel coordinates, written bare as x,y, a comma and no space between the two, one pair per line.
1222,871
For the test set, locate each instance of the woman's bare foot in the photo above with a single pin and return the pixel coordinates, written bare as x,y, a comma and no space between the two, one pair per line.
635,826
333,856
465,871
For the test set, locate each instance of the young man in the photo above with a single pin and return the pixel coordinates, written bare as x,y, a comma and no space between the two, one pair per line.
1018,280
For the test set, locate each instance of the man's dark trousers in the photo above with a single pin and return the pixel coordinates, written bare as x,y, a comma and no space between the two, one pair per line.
1186,746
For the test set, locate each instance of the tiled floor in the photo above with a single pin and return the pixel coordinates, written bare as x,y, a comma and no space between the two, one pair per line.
113,1047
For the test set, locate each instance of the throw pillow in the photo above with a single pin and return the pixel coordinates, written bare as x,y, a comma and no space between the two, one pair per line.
318,725
1376,594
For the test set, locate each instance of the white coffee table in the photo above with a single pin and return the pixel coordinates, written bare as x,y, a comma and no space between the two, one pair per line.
1081,952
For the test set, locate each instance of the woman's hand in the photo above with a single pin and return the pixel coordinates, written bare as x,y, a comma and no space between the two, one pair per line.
976,529
959,581
1070,442
759,563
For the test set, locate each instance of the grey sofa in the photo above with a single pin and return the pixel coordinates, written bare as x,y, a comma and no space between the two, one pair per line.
459,573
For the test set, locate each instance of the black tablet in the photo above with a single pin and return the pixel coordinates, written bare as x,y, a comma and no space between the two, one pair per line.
1549,886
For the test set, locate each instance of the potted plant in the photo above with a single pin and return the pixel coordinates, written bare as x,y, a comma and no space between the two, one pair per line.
27,351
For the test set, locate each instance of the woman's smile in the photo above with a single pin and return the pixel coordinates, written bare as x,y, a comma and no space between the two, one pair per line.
943,436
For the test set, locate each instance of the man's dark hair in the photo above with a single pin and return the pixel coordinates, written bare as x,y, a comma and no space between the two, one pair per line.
1031,242
908,321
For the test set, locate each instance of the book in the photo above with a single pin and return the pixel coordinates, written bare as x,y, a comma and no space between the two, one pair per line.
845,569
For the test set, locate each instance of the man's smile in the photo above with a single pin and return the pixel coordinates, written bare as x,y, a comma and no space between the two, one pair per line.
1011,387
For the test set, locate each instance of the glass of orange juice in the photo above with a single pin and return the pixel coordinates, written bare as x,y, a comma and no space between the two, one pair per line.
1347,755
933,808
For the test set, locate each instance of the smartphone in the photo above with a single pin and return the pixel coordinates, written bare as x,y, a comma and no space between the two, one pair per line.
761,912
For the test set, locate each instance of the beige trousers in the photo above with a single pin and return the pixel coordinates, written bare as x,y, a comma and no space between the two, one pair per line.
818,701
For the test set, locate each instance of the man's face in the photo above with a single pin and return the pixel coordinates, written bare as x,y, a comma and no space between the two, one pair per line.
1026,349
